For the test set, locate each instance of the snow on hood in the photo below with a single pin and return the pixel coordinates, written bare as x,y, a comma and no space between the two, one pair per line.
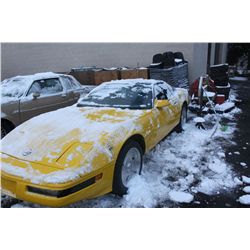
47,136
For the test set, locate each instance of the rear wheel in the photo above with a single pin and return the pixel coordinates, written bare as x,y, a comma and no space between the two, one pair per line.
5,128
128,164
183,119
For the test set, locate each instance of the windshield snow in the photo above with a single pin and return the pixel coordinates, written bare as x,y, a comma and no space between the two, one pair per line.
13,88
121,95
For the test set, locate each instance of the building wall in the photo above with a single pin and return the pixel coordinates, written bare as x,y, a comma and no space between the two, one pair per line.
29,58
199,60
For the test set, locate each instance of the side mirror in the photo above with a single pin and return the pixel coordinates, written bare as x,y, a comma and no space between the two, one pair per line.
161,103
35,95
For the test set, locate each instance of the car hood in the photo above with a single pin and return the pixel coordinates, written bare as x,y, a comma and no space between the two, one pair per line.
71,136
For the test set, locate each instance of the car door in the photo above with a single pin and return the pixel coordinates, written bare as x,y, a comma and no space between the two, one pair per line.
166,116
71,90
175,104
43,96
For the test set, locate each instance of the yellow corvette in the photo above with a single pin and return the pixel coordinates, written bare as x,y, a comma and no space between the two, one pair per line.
93,147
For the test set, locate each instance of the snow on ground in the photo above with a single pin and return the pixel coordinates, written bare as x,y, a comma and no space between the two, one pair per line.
245,199
243,164
246,189
239,78
246,179
183,197
179,167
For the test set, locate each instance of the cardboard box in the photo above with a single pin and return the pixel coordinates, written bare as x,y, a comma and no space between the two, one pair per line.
95,77
84,77
143,73
98,76
128,74
101,76
134,73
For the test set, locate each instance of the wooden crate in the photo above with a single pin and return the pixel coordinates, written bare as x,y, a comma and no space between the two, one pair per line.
143,73
101,76
95,77
84,77
128,74
134,73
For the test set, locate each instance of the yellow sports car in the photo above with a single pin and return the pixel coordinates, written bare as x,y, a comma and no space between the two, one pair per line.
93,147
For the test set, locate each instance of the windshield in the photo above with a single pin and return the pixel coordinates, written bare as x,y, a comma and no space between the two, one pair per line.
120,95
13,88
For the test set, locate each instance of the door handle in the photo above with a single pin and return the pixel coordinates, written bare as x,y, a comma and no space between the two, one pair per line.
64,94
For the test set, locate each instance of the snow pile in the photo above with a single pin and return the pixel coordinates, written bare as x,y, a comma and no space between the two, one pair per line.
139,193
245,199
224,107
243,164
246,179
246,189
199,119
181,196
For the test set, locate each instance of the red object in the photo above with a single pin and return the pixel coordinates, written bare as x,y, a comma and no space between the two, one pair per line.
220,99
195,85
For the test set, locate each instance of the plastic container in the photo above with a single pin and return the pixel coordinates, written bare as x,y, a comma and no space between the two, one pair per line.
220,99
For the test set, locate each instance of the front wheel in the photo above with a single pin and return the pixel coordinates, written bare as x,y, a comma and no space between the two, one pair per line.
128,164
183,119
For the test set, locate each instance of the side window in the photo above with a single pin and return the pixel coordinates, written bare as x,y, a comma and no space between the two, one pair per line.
161,91
46,87
70,83
170,90
67,83
74,82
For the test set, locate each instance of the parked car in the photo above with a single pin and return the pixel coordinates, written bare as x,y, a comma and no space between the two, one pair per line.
23,97
91,148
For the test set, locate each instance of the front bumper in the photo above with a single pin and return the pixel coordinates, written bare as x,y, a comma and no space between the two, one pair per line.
96,183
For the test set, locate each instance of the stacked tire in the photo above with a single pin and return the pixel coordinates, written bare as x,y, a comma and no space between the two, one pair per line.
219,74
167,60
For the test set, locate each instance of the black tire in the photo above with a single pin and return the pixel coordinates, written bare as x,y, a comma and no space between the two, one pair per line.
224,84
156,66
218,69
179,55
221,79
5,128
180,126
168,62
169,55
157,58
118,186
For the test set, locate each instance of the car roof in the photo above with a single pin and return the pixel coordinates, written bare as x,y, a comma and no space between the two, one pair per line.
34,77
134,81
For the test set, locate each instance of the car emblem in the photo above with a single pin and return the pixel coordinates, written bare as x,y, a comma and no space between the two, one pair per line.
27,152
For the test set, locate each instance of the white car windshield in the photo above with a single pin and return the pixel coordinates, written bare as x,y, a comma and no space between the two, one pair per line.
120,95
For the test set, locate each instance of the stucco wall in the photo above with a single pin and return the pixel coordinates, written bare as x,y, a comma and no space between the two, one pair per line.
29,58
